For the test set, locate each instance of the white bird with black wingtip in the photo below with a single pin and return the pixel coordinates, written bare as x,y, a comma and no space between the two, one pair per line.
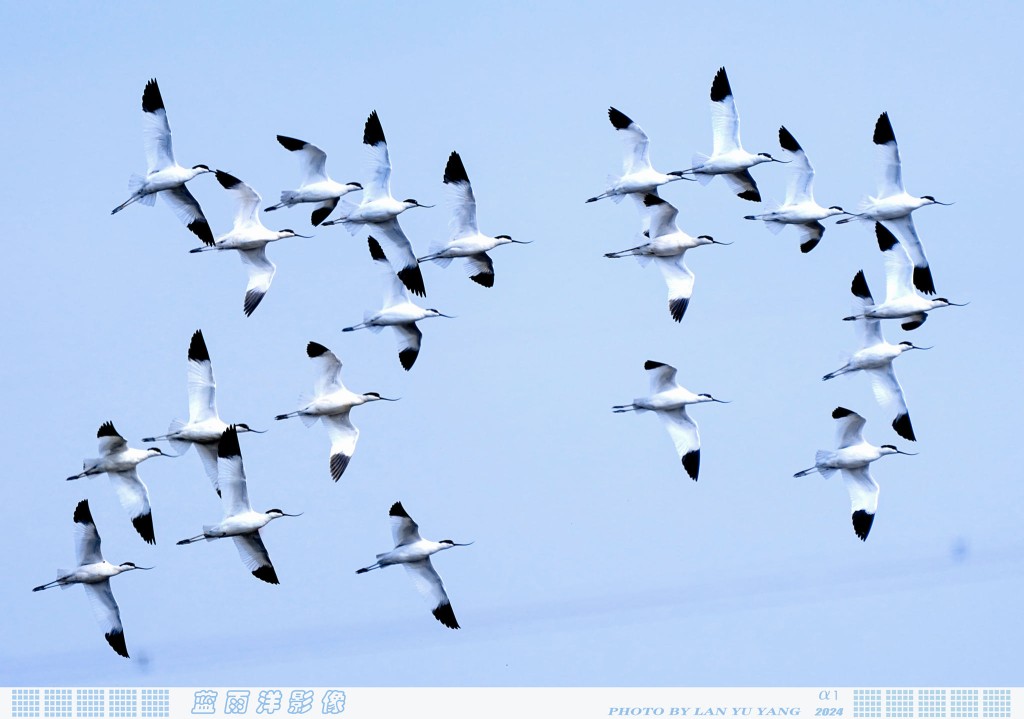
894,204
638,176
241,522
332,402
799,207
381,210
669,400
119,462
317,186
399,311
413,552
728,158
93,573
667,246
902,302
204,427
875,357
164,175
852,456
250,238
465,239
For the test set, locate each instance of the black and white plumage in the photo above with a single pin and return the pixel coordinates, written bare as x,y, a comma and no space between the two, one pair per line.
240,522
852,456
728,158
894,204
667,245
413,552
398,312
164,175
332,402
204,427
799,207
902,301
638,176
380,210
317,186
465,239
250,238
875,358
669,399
119,462
94,573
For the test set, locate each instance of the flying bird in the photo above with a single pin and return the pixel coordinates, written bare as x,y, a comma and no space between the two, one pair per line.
894,204
250,238
638,176
398,311
332,401
119,462
852,457
317,186
240,522
413,552
875,357
381,210
204,427
666,247
163,174
901,299
94,573
669,399
465,240
728,158
799,207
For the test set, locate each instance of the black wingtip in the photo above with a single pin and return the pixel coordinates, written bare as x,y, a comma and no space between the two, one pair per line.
787,140
806,247
651,364
315,349
886,240
266,573
197,348
151,100
116,639
373,133
619,120
903,427
319,215
691,463
485,279
859,287
650,200
82,513
227,181
201,229
720,87
408,358
107,430
455,171
914,324
376,251
144,526
412,278
228,445
751,195
883,130
840,412
397,510
677,307
338,464
444,614
862,523
252,301
923,279
290,143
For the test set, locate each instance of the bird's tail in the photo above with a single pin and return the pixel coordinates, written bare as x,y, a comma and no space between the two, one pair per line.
436,248
367,316
307,419
179,446
697,160
820,458
61,573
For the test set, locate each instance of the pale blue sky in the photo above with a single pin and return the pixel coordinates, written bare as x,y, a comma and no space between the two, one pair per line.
596,561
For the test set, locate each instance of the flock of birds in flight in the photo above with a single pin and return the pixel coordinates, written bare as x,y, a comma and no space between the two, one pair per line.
216,442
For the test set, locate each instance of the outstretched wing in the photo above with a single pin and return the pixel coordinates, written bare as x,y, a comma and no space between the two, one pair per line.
686,438
463,219
255,556
863,499
107,614
247,200
134,497
343,436
637,157
680,284
87,539
891,181
202,397
662,376
403,259
403,529
849,427
725,121
187,209
379,184
429,583
109,440
261,274
312,159
156,132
